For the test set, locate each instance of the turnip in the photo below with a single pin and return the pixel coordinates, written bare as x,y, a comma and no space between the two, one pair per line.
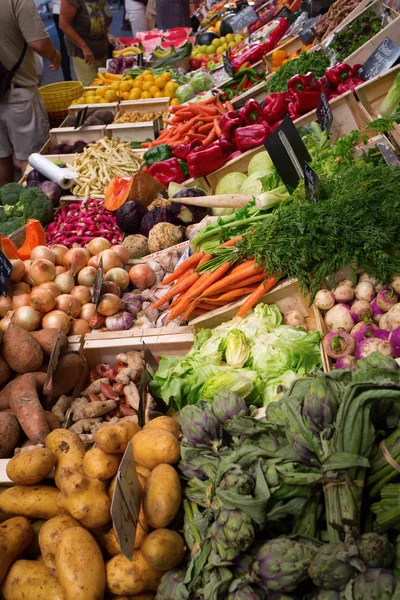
386,298
361,310
392,320
366,277
338,343
339,317
294,318
346,282
396,284
346,362
384,322
365,291
376,311
324,299
394,341
367,347
362,331
343,293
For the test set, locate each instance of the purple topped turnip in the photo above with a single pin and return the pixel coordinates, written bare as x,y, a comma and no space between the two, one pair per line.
396,284
365,291
52,191
392,320
324,299
386,298
361,310
370,345
394,341
339,317
346,362
376,311
294,318
338,344
363,330
343,293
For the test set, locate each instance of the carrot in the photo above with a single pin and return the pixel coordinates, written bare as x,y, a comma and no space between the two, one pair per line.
207,256
198,109
233,294
258,293
242,283
228,280
184,275
210,100
190,262
186,298
197,136
217,128
231,242
212,136
178,288
220,107
206,306
229,105
206,128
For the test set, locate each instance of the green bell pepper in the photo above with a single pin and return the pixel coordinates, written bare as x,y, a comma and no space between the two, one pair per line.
157,154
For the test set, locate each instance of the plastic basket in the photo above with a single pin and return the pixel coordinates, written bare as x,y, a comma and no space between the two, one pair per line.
57,98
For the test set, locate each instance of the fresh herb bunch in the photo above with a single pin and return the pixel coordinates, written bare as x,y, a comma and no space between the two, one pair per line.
356,34
317,62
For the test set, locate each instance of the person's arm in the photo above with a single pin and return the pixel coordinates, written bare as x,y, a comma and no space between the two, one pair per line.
67,15
45,49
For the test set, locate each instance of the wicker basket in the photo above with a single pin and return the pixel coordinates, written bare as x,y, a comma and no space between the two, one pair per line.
57,97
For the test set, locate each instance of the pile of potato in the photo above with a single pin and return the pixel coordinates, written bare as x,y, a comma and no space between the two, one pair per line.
58,542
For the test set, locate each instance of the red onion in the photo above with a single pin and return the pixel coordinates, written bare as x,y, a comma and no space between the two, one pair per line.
97,321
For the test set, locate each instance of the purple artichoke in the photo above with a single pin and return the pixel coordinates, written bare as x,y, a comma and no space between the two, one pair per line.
374,584
307,456
169,581
231,533
320,405
330,568
189,471
375,550
236,480
199,426
226,405
240,590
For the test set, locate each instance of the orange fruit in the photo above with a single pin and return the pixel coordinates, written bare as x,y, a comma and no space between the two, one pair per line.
135,94
154,90
145,96
160,82
146,86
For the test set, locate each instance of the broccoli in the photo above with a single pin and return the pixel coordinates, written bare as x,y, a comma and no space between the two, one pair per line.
11,225
32,204
10,193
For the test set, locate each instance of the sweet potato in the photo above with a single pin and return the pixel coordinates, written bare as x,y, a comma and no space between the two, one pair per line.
5,371
68,373
26,406
21,351
9,434
46,339
52,421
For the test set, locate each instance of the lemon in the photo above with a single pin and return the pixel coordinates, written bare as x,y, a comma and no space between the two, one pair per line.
125,95
145,95
115,86
139,78
135,94
169,93
153,90
146,86
166,76
175,102
100,92
126,86
103,101
160,82
91,99
159,94
111,96
147,72
138,85
148,78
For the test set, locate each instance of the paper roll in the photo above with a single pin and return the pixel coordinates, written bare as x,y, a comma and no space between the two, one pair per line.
62,176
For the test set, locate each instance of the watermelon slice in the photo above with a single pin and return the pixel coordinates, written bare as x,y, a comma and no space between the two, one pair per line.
187,30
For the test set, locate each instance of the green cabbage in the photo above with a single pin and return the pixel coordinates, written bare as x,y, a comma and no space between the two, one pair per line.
237,348
184,93
240,381
230,183
260,162
253,184
201,82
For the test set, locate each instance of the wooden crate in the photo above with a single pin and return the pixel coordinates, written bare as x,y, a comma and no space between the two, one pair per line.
143,106
71,135
131,132
257,92
289,47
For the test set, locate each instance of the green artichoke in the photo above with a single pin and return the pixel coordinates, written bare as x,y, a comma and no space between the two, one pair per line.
199,426
375,550
236,480
320,405
240,590
231,533
282,564
327,595
227,404
374,584
330,568
169,582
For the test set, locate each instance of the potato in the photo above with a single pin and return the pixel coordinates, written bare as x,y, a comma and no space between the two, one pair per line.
9,434
80,566
163,549
15,536
113,439
142,530
46,339
29,468
112,545
49,536
162,496
22,353
68,374
126,577
100,465
31,580
112,487
84,498
168,423
155,446
33,502
68,449
143,471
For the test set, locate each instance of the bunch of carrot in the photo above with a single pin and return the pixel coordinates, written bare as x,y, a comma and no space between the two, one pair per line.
199,288
193,121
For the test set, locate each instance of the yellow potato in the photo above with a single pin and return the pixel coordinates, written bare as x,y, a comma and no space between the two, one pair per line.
143,471
49,536
114,439
162,496
163,549
31,580
168,423
15,536
29,468
112,487
126,577
68,449
155,446
100,465
84,498
33,502
80,566
112,546
142,529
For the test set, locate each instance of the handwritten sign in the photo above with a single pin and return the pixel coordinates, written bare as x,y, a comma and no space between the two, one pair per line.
53,362
227,63
80,117
243,19
324,113
98,283
311,182
381,60
158,125
5,272
388,154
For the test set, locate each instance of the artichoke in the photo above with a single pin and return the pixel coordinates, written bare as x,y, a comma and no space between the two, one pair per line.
237,348
226,405
282,564
169,582
236,480
375,550
190,472
199,426
330,568
240,590
320,405
327,595
305,454
231,533
374,584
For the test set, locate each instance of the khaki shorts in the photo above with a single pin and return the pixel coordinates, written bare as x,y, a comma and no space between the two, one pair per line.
87,73
24,126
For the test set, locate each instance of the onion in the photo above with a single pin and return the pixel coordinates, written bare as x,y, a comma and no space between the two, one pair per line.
5,305
110,260
79,327
87,276
42,300
93,262
18,270
118,276
65,282
26,317
75,259
5,321
122,252
87,311
69,305
81,293
109,287
142,276
98,245
21,300
18,288
59,252
56,319
26,277
42,270
50,285
60,269
43,252
109,304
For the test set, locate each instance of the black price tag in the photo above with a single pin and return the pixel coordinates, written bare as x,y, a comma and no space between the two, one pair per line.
243,19
307,34
140,59
324,113
311,182
158,125
381,60
53,362
388,154
227,63
80,117
284,12
98,283
288,153
5,272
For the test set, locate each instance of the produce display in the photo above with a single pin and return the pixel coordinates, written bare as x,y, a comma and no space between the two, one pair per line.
211,47
132,116
354,35
338,11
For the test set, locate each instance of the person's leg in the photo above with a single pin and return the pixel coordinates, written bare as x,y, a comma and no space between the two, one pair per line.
136,13
84,72
6,170
6,149
65,64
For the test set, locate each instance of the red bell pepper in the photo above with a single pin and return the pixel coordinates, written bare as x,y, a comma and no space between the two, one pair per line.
303,102
251,136
257,51
278,33
183,150
323,85
204,162
229,122
228,146
335,75
301,83
276,107
354,70
167,171
350,84
251,112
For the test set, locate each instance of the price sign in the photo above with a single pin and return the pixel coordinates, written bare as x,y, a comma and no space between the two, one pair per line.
53,362
307,34
5,272
125,503
80,117
311,182
140,59
243,19
388,154
288,153
285,12
384,58
158,125
324,113
98,283
227,63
